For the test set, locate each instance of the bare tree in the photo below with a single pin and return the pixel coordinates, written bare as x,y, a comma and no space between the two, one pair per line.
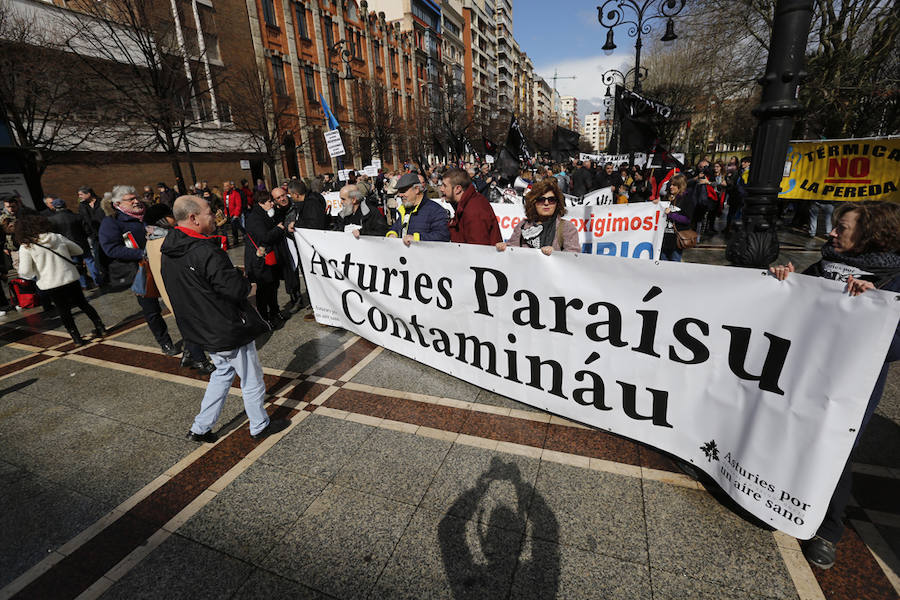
853,59
268,119
451,118
151,75
44,90
378,120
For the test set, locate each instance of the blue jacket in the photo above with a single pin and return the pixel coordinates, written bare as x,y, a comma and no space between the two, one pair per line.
122,260
427,222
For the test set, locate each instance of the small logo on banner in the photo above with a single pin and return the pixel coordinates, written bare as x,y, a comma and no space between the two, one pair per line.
711,450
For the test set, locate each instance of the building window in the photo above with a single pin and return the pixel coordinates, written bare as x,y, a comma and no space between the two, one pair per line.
426,15
376,49
278,76
393,55
329,34
224,112
334,89
318,144
350,46
302,30
310,85
268,7
451,26
358,46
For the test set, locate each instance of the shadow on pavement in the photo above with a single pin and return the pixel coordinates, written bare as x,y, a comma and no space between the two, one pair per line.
17,386
487,569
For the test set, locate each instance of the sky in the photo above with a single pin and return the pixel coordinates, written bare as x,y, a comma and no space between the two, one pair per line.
565,35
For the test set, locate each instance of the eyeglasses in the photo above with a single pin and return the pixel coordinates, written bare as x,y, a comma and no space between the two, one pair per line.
547,200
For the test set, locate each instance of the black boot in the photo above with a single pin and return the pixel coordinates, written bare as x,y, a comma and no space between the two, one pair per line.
99,330
76,337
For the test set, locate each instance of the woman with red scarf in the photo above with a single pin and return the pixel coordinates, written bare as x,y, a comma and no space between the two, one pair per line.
122,239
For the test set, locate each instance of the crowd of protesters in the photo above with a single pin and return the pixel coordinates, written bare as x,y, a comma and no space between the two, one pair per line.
125,240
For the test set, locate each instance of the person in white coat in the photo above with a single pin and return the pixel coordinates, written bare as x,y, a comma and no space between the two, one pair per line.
46,257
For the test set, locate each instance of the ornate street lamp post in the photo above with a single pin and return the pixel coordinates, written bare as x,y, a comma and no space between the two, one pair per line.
756,244
610,78
346,58
612,13
613,76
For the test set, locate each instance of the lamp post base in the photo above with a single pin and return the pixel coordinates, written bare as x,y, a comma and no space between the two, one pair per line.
756,243
752,247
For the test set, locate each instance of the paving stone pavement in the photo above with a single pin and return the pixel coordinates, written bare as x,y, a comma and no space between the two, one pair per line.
393,481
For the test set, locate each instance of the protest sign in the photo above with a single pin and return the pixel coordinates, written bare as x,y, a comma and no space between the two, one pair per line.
763,404
371,171
14,184
629,230
616,159
376,162
334,144
844,170
332,203
344,174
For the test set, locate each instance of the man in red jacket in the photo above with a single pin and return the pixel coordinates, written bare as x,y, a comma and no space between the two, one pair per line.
233,201
474,221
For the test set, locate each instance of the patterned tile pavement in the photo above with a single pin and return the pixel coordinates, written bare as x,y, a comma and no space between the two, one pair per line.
374,490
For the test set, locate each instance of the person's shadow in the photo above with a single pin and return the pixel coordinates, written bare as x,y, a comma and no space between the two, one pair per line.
500,541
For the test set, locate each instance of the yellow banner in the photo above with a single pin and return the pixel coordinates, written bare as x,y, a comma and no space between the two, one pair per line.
843,170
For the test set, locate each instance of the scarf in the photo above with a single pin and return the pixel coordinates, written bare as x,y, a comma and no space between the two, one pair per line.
539,234
882,266
138,214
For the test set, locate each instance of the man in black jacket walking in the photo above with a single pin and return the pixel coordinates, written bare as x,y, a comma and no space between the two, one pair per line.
90,209
209,299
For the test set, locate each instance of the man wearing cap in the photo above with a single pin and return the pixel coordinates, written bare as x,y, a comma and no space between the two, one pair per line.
419,219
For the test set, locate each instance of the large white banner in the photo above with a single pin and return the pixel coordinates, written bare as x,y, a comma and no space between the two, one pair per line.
697,360
632,230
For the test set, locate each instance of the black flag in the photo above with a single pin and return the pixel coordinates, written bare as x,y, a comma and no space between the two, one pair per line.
564,144
637,116
507,164
664,158
515,141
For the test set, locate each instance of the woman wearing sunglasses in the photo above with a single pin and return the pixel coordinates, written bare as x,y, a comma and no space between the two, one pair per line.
544,226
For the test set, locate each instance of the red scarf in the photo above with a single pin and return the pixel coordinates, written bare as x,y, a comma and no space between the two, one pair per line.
221,239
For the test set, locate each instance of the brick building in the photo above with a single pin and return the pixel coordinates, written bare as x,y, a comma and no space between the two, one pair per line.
310,48
210,40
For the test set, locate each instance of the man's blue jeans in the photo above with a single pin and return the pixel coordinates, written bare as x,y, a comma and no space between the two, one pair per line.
92,261
243,362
